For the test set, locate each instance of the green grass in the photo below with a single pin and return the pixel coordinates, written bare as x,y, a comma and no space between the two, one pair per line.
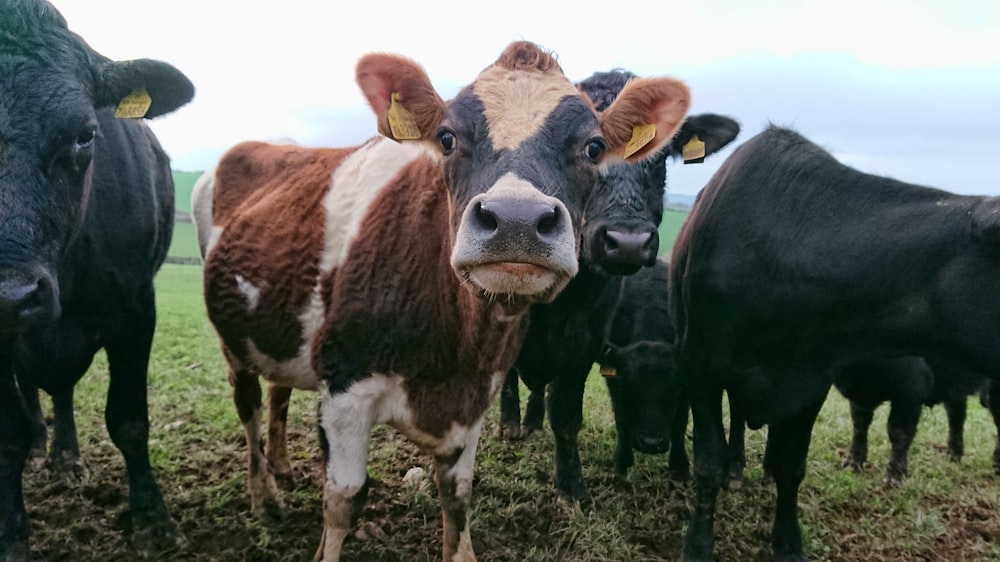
183,184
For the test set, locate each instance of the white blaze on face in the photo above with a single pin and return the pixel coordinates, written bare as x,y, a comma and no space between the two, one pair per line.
516,103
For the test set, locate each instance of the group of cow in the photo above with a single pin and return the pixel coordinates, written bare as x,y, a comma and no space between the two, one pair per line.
507,234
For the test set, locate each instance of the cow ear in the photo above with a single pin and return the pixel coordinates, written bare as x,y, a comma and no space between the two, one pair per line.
401,95
141,88
645,117
702,135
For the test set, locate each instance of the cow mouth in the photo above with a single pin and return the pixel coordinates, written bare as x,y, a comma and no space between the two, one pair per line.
513,278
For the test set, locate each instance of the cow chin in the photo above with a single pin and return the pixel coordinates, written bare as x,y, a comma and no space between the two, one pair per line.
516,284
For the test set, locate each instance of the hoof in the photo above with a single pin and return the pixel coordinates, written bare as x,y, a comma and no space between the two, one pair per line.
68,469
509,432
159,541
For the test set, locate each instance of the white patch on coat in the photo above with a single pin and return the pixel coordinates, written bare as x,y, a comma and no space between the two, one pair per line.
249,291
297,372
356,182
205,229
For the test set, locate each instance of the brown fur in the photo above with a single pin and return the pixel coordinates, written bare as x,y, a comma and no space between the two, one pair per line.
266,197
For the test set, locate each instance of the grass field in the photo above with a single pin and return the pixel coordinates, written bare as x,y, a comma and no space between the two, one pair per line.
944,511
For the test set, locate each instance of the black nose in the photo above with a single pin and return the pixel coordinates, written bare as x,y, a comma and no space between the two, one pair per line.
25,298
514,217
630,248
651,444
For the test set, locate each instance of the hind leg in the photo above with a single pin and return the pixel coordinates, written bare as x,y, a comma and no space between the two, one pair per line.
264,498
278,398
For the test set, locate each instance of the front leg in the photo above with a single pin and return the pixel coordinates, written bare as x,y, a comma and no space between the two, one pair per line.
453,474
565,406
861,421
345,421
710,458
15,441
787,449
902,427
127,421
64,455
956,410
510,408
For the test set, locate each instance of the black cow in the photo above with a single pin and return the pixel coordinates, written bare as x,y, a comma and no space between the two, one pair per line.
650,408
792,266
86,216
909,383
566,336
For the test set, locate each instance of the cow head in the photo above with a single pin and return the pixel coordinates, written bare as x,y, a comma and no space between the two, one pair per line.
51,86
620,232
645,375
521,149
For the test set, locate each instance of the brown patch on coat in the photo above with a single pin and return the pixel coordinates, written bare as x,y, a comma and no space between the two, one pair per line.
397,307
267,198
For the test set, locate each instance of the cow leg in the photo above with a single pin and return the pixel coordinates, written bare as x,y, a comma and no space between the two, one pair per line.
15,443
565,406
624,457
902,426
510,408
39,430
454,474
345,421
678,463
534,412
265,501
709,466
788,447
278,398
126,417
990,397
64,455
956,410
861,421
736,448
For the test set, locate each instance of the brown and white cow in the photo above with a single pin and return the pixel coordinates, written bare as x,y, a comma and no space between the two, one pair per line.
395,276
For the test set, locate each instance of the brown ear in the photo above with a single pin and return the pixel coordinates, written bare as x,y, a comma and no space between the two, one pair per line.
401,95
645,116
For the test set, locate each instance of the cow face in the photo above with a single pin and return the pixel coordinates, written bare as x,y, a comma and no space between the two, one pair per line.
51,87
621,222
521,151
644,374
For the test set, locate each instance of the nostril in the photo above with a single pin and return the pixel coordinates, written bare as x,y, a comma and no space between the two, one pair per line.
548,223
485,217
610,240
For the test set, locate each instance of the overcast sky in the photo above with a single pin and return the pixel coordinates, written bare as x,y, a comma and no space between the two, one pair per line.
909,88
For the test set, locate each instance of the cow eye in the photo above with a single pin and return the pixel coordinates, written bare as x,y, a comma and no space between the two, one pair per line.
85,139
594,149
447,140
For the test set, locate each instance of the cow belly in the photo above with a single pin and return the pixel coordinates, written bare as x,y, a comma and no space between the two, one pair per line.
296,372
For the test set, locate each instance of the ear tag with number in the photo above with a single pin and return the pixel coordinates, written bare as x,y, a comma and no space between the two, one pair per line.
401,121
134,105
608,371
694,151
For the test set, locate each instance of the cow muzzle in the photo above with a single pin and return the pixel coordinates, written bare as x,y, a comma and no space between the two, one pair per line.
515,241
623,252
28,297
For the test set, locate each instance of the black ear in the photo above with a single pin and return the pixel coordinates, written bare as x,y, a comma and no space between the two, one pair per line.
167,87
715,131
610,353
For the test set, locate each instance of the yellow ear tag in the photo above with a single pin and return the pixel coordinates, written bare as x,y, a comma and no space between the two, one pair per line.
641,135
134,105
694,150
608,371
401,121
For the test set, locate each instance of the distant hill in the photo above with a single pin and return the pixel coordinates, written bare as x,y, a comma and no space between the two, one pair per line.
183,184
680,200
